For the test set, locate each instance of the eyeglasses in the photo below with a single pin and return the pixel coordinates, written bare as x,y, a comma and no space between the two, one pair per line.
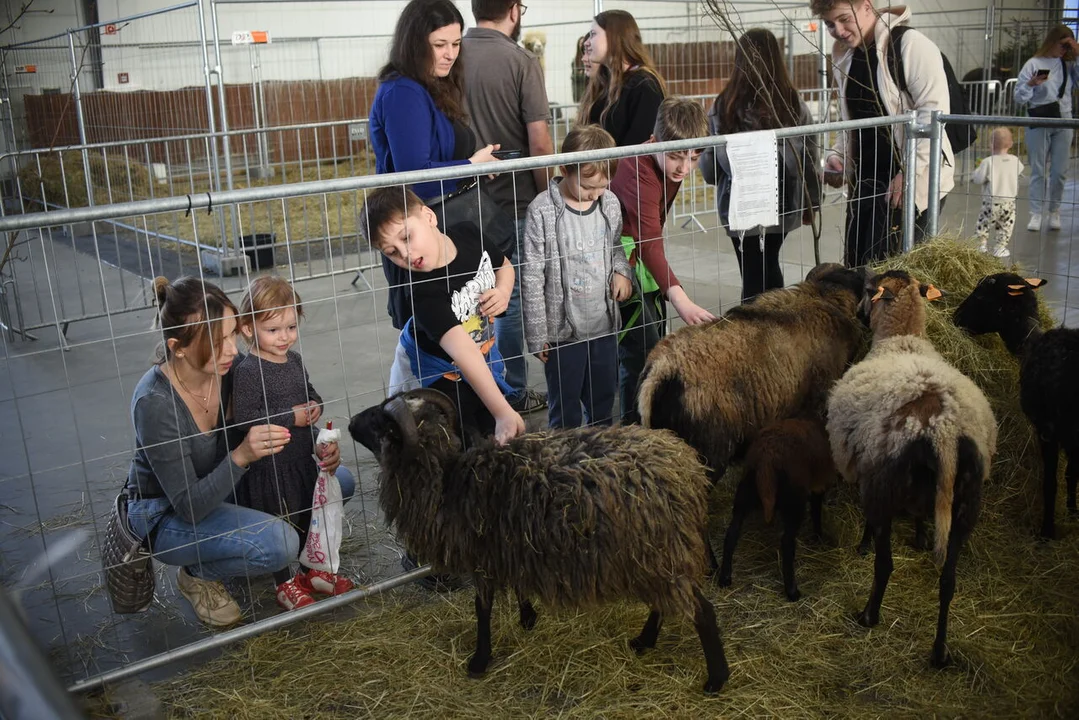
524,8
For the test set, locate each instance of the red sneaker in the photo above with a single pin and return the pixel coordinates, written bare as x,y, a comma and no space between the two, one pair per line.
325,583
292,594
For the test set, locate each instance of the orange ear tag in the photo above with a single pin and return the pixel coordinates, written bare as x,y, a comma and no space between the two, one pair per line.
879,295
932,293
1017,287
1035,282
1015,293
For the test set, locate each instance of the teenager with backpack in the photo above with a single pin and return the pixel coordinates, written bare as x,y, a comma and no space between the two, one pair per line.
873,83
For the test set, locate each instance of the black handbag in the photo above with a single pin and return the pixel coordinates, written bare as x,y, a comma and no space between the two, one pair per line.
128,565
470,203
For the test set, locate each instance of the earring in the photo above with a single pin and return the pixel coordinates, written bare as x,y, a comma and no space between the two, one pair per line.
179,354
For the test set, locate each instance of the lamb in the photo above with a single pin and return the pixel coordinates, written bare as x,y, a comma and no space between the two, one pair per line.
788,462
576,517
718,384
916,434
1048,374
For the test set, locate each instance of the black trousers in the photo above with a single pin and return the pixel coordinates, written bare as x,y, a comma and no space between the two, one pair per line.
875,229
760,270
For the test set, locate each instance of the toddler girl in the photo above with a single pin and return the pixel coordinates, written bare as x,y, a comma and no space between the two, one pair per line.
271,385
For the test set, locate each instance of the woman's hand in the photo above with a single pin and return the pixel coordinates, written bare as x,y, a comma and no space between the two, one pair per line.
894,196
494,301
508,426
1036,80
260,441
833,171
543,354
329,457
621,287
484,155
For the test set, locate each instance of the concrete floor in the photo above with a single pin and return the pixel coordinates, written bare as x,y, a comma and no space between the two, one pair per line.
65,435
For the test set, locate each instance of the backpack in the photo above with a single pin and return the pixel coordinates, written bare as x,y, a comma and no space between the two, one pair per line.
961,136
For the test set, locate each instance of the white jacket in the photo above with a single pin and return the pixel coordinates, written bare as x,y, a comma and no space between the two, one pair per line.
928,86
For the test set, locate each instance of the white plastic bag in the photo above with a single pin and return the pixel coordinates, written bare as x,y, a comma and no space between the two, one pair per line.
322,551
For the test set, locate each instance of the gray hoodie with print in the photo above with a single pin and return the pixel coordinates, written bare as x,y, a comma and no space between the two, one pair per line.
545,257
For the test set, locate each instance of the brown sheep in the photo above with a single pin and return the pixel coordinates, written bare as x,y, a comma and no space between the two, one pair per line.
789,462
577,517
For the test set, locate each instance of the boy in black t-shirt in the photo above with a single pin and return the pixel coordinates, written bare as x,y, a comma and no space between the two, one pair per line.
458,286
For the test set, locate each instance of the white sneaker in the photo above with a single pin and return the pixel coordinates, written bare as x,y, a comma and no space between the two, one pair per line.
1054,220
1002,251
1035,223
983,248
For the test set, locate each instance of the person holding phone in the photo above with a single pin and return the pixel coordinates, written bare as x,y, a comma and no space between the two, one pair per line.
1045,86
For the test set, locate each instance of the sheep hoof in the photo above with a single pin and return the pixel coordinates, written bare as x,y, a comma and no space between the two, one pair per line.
941,658
724,579
715,684
639,646
1048,533
867,619
528,617
794,594
863,548
477,666
920,542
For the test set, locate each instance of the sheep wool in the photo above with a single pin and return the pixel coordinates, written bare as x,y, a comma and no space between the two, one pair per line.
576,517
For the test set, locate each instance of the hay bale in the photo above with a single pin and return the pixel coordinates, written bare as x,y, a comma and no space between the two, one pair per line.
1014,623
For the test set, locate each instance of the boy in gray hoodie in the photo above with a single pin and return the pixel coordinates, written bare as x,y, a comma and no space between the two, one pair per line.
574,273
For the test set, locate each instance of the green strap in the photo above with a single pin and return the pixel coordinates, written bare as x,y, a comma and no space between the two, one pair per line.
648,283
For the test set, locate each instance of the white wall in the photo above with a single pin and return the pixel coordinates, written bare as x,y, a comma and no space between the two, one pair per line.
314,40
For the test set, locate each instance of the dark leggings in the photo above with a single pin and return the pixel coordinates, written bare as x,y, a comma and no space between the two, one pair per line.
760,271
875,229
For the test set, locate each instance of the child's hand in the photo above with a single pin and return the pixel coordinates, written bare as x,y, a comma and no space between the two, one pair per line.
307,414
508,426
543,354
329,455
621,287
494,301
690,312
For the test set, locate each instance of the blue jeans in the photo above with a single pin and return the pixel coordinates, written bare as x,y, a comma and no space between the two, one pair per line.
231,541
510,331
582,374
1054,145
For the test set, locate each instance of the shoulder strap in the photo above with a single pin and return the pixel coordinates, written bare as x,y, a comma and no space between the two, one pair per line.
1063,78
895,57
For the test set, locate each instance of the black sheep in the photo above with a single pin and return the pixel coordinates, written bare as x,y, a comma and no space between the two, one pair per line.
1048,374
577,517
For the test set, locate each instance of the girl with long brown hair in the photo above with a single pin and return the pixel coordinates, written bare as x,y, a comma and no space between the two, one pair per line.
625,92
760,96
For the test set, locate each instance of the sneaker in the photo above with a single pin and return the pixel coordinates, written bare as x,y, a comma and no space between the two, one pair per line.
983,248
437,583
1054,220
1002,251
292,595
529,402
324,583
209,599
1035,223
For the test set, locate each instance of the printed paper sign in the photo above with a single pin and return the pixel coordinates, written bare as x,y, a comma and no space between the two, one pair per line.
754,180
25,69
251,37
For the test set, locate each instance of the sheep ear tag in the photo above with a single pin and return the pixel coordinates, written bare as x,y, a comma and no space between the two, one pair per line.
933,293
882,294
1016,290
1035,282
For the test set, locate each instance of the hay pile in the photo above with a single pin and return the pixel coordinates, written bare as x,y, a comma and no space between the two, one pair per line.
1014,631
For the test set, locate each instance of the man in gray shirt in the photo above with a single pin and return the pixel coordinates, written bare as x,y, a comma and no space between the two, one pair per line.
507,104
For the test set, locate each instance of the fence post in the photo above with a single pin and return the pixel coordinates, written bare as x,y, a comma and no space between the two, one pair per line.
597,7
790,48
79,120
936,157
910,172
214,165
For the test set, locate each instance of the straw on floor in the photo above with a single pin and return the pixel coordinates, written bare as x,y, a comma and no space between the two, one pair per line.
1014,629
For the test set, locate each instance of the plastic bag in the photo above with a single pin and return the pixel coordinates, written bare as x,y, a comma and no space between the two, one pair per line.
322,551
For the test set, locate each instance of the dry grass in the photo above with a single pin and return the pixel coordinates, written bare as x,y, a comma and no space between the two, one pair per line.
1014,623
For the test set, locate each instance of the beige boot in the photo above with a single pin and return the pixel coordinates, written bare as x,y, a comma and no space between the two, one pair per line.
211,601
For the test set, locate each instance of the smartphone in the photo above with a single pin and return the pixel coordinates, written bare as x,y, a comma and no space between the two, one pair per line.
1042,73
507,154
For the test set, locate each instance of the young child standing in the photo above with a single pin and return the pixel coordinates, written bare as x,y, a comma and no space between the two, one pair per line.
449,344
999,173
573,273
271,385
646,186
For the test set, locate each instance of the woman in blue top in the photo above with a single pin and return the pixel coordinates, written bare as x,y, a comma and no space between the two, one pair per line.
418,120
1045,85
